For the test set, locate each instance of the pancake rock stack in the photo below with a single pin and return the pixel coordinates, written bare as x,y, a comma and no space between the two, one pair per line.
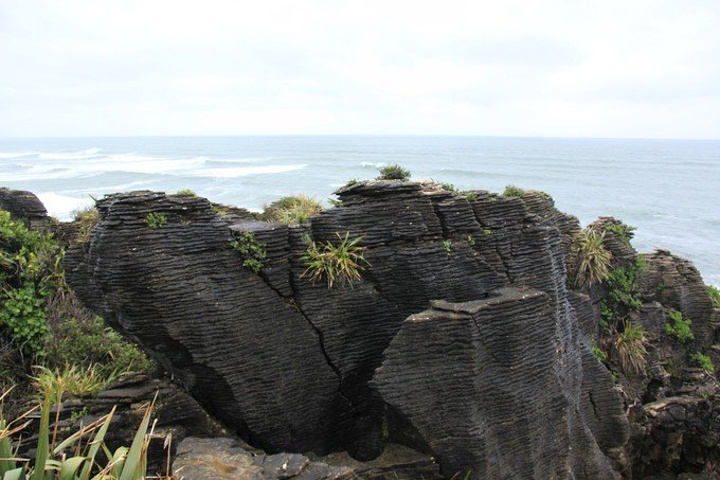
463,339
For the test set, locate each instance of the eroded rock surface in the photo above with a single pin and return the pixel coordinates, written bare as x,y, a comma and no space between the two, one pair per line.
461,340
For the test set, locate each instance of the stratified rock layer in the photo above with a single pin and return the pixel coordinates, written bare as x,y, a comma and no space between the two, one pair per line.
481,382
461,340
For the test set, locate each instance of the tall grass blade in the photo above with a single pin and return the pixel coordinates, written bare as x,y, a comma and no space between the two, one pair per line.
96,444
17,474
135,454
42,452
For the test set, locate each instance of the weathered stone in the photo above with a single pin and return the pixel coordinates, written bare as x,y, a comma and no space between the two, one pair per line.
24,206
462,374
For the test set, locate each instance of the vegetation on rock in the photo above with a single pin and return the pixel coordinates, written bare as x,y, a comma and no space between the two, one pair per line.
86,219
186,192
292,210
714,294
590,257
156,220
513,191
338,263
393,172
629,346
680,327
704,361
253,252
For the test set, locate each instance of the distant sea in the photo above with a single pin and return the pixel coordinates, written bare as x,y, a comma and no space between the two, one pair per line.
668,189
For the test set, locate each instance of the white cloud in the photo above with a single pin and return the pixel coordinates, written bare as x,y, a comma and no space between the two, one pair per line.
614,68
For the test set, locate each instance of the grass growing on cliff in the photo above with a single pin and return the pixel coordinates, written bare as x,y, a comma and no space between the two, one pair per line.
393,172
513,191
714,294
292,210
629,347
336,263
186,192
591,258
86,219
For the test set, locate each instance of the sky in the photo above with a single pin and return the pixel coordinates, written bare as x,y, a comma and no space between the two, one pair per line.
629,68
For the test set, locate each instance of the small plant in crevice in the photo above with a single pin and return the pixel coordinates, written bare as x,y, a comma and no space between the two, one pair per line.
292,210
155,220
86,219
393,172
591,258
185,192
447,245
679,327
629,347
351,182
335,202
624,232
470,196
335,263
599,353
704,361
470,240
252,251
714,293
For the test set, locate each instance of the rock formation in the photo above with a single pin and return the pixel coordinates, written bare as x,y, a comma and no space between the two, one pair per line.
463,340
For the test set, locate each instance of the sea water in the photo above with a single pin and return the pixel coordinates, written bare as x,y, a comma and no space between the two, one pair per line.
668,189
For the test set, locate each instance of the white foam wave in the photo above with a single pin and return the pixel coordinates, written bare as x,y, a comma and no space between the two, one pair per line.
245,171
7,155
62,206
372,164
80,155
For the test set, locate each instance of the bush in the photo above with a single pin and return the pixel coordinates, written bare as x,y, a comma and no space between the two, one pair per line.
156,220
393,172
90,343
625,232
337,264
30,273
680,328
704,362
592,259
513,191
186,192
292,210
629,347
253,252
714,294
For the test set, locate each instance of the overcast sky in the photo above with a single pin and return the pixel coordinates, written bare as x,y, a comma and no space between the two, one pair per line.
627,68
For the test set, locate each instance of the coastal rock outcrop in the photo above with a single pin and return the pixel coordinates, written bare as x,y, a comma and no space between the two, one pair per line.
463,340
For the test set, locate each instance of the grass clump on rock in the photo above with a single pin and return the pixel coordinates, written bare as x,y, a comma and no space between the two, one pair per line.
629,346
292,210
592,259
336,263
393,172
186,192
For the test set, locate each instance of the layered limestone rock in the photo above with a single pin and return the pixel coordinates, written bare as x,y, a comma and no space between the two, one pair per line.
462,340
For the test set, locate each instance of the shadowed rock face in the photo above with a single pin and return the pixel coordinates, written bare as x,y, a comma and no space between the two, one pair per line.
481,357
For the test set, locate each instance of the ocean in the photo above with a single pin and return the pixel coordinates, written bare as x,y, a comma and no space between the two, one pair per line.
668,189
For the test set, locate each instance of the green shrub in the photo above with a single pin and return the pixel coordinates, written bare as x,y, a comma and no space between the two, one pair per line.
625,232
253,252
629,347
91,343
447,245
599,353
714,294
449,187
339,263
351,182
591,258
470,196
513,191
156,220
186,192
393,172
680,328
622,284
704,362
292,210
30,273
